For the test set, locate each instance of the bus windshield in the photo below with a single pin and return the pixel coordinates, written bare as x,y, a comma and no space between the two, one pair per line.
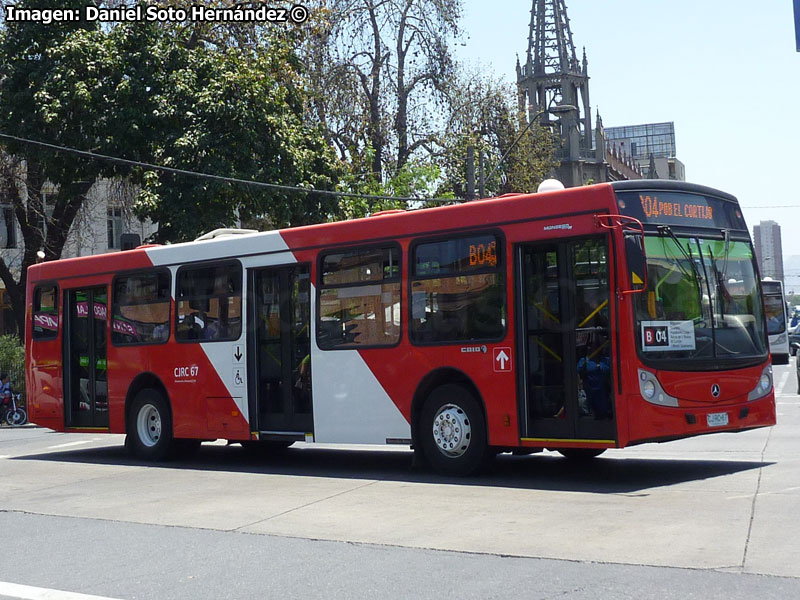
702,301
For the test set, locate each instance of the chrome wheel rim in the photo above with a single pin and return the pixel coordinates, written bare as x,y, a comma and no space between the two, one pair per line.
452,431
148,425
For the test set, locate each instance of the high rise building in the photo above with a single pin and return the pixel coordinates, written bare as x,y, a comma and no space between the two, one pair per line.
769,254
651,146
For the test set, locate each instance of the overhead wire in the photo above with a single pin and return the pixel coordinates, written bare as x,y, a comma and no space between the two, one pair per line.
259,184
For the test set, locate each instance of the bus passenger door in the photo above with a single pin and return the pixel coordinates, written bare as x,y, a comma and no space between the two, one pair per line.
85,358
566,390
280,308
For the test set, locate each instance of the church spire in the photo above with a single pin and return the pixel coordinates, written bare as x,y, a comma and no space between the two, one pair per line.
553,74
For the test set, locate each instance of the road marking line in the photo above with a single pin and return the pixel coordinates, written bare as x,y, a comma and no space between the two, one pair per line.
27,592
784,379
68,444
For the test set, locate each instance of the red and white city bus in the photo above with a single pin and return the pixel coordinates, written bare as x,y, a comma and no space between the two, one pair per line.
576,320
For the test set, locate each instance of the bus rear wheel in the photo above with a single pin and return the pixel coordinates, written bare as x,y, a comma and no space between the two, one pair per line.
149,434
452,431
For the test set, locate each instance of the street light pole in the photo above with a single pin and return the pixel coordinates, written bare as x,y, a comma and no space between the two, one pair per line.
556,110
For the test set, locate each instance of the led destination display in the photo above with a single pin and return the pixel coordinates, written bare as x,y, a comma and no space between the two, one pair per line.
676,208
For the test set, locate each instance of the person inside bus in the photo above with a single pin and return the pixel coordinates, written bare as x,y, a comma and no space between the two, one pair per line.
197,324
161,332
594,370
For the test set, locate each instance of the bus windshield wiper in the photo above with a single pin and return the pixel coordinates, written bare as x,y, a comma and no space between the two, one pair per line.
726,234
721,287
665,231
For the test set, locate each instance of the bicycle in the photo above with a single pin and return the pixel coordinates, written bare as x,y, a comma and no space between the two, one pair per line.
13,413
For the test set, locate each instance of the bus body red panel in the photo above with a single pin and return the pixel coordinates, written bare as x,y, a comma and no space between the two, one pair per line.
648,422
734,386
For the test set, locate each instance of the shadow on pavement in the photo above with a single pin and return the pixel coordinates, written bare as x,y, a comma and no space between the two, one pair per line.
603,475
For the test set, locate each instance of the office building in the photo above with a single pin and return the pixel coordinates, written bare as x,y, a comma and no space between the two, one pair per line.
652,148
767,242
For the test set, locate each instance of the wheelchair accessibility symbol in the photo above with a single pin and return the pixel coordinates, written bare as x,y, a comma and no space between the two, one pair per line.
238,377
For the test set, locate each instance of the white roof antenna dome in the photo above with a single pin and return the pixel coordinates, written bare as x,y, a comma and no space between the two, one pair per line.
550,185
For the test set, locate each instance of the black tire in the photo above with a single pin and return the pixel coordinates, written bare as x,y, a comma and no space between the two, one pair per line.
452,431
149,426
16,417
581,453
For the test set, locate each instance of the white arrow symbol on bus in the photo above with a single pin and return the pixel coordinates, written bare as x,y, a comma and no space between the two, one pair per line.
502,357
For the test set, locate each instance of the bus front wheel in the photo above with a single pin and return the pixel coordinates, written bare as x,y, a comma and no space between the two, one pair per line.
452,431
149,435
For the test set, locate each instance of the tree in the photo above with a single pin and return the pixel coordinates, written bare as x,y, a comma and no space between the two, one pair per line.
379,68
141,92
235,114
483,114
52,87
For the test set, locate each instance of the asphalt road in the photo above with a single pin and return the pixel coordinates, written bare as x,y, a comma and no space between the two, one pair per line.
709,517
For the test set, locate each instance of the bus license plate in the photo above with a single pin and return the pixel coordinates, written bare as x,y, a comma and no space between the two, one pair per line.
717,419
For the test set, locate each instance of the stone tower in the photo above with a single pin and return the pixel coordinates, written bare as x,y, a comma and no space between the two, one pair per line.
553,75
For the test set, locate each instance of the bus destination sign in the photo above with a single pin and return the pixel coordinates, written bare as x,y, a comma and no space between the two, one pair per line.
676,208
654,208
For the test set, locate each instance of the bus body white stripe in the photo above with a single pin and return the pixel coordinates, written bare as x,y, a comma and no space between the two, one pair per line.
218,249
350,405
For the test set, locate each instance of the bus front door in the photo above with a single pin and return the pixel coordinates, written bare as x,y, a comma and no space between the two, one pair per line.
85,360
566,391
280,309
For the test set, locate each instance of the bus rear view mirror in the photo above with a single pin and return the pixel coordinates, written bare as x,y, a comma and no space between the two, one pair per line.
637,265
633,231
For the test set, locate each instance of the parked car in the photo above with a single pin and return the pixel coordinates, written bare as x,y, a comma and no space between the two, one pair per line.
797,366
794,340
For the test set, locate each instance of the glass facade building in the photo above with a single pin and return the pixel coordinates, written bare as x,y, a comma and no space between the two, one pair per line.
639,141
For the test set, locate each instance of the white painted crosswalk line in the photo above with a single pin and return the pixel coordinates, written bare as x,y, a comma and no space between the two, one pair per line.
27,592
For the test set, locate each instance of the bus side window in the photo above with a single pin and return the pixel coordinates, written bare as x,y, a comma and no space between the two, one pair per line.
458,290
359,302
140,308
209,303
45,312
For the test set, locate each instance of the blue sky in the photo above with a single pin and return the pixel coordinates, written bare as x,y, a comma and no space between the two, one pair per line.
725,71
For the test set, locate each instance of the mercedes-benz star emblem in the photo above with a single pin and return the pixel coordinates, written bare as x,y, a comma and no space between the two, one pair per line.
715,390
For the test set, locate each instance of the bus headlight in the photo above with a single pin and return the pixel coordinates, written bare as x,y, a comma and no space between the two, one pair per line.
780,339
764,385
652,391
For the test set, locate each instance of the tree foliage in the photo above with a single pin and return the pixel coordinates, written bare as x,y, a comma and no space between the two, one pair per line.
233,114
158,93
483,114
53,87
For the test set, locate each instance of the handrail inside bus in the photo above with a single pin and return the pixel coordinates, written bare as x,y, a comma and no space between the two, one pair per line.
626,223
